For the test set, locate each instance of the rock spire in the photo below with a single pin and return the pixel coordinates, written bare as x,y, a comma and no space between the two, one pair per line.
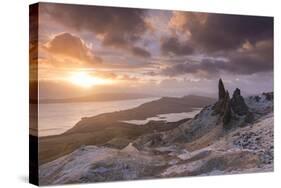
231,108
222,91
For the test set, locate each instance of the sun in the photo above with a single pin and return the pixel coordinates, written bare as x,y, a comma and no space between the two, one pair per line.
86,80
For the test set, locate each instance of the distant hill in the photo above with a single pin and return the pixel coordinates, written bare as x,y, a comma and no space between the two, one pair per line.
164,105
98,97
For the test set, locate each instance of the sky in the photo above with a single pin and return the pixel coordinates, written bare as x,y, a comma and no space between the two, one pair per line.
85,49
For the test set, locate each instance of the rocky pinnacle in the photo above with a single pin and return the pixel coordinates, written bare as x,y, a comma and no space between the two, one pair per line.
230,108
226,110
238,104
221,90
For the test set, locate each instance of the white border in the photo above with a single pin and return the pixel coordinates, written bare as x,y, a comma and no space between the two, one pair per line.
14,90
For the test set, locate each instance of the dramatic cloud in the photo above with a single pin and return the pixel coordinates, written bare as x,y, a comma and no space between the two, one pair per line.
258,59
215,32
230,44
244,62
116,27
172,46
71,46
157,51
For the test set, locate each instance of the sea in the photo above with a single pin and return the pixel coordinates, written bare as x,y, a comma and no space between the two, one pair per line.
56,118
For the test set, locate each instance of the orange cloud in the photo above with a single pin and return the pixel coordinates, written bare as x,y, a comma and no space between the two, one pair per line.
71,49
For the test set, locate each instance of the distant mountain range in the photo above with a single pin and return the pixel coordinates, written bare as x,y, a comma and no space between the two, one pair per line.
98,97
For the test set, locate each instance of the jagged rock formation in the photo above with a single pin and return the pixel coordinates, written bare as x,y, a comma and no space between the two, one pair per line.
238,104
231,109
209,124
223,105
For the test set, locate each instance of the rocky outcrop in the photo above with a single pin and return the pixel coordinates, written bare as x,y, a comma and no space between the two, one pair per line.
260,105
212,121
231,109
268,95
226,110
238,104
223,100
223,105
222,91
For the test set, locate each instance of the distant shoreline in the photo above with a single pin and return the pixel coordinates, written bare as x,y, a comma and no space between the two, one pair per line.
51,113
102,97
